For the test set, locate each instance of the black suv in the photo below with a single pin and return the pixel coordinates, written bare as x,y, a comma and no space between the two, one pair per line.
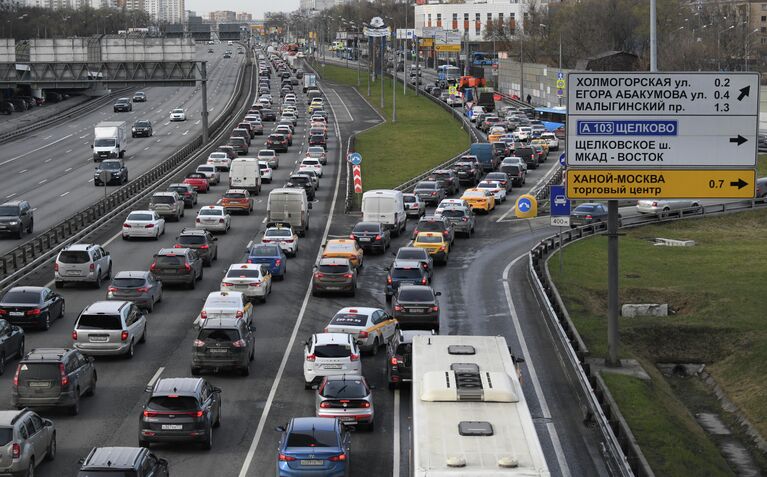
467,173
117,172
399,356
177,265
371,236
431,223
122,461
447,179
301,181
53,377
123,105
142,127
405,272
224,343
180,409
200,240
186,192
528,155
16,217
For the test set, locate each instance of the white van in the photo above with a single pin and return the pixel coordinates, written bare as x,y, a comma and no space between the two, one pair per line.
244,173
386,207
289,205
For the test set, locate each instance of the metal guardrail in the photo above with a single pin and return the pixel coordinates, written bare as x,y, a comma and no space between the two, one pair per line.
79,110
27,257
622,454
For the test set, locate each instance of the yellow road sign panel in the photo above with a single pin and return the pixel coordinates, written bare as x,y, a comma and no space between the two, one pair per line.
448,48
660,184
425,42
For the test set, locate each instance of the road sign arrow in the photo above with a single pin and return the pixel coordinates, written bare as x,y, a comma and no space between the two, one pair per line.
744,92
739,184
740,139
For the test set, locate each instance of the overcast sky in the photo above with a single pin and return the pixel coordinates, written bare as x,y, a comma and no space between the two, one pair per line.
256,7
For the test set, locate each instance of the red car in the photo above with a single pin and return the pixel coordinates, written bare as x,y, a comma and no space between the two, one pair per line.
318,140
198,181
278,142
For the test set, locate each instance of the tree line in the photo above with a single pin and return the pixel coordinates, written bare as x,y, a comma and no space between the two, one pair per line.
26,23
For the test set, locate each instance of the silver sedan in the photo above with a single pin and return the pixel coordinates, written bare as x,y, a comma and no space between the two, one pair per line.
347,398
663,208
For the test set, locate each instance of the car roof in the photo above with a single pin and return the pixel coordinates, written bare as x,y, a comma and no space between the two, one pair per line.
27,289
407,335
170,386
173,251
405,264
300,424
359,310
335,261
8,418
112,458
167,193
106,306
331,338
131,274
412,287
79,247
46,354
193,231
221,323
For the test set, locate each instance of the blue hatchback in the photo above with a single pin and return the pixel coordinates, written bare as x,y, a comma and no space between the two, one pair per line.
272,256
314,447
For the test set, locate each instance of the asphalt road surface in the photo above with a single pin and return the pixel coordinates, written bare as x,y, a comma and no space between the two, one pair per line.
53,167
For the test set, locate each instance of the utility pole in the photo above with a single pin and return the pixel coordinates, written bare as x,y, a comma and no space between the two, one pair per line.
416,64
521,70
382,59
204,94
560,62
357,51
370,54
394,87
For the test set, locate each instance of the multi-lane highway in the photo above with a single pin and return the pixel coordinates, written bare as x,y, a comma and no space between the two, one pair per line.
53,167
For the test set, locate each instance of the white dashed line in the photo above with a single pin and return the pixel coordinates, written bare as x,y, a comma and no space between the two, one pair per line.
90,180
65,193
23,171
43,181
68,169
146,148
9,196
83,137
185,133
67,151
48,160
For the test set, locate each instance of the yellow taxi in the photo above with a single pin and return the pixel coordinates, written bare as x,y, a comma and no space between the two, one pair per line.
316,104
237,200
543,143
494,137
344,248
479,199
371,327
435,244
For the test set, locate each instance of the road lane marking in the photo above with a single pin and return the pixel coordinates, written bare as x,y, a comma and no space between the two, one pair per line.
65,193
9,196
396,464
83,137
185,133
35,150
68,169
286,355
43,181
67,151
146,148
46,138
153,381
48,160
23,171
546,414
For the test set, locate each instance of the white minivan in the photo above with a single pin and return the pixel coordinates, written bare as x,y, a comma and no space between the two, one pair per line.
386,207
289,205
244,173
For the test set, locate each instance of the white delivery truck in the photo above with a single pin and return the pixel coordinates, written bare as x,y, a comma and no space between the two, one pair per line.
244,173
310,81
292,62
290,206
386,207
110,140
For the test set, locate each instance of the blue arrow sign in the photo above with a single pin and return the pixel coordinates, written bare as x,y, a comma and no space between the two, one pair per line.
560,205
524,204
560,75
563,160
355,158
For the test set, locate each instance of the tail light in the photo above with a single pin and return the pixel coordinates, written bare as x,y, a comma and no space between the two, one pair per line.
319,275
445,232
442,248
434,193
324,404
351,236
178,245
149,226
56,267
288,241
16,450
124,336
348,275
397,307
3,312
378,237
127,226
74,335
92,267
112,289
203,314
198,413
239,344
354,357
220,221
63,375
337,458
434,308
16,376
393,361
655,204
364,404
589,217
364,334
153,266
388,280
34,312
278,262
150,414
204,247
286,458
250,261
425,266
464,219
423,281
197,220
142,289
311,357
265,240
227,284
198,343
187,267
238,314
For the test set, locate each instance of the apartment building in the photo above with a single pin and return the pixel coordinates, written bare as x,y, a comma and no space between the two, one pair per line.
470,17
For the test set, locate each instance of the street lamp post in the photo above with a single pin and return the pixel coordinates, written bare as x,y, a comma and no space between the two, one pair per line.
718,47
745,48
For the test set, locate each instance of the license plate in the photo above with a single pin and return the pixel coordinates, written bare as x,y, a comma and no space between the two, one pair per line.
39,384
16,313
98,339
217,350
364,239
73,272
332,366
417,310
172,427
312,462
347,419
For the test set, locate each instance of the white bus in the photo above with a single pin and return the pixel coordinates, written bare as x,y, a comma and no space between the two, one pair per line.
470,417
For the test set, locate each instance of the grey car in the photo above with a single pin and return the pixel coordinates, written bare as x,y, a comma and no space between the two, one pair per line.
201,241
142,288
429,192
418,254
109,328
26,441
347,398
666,207
224,343
16,217
463,219
167,204
761,188
177,265
414,206
187,192
416,307
53,377
335,275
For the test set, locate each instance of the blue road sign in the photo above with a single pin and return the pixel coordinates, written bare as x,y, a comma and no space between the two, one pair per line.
355,158
560,75
560,204
524,204
563,160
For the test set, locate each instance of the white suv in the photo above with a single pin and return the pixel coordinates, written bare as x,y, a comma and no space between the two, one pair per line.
82,262
330,354
109,328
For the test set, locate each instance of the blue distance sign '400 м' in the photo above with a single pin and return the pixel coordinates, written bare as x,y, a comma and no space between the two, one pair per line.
627,128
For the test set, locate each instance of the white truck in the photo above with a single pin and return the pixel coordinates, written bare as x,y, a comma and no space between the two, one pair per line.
289,205
244,173
386,207
310,81
110,140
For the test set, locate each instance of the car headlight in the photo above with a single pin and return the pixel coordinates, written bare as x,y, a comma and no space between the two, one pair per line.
14,222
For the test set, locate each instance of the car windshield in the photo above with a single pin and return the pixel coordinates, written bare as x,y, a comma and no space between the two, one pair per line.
111,165
41,371
411,254
278,233
352,319
453,213
431,226
366,228
178,111
264,251
74,256
142,124
99,322
426,186
510,169
415,294
332,351
429,239
345,388
333,268
266,154
162,199
9,211
219,335
192,239
486,185
316,150
408,199
234,195
140,217
339,247
170,261
211,212
206,169
310,162
312,438
401,273
243,273
128,282
22,297
104,142
6,435
586,208
172,404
